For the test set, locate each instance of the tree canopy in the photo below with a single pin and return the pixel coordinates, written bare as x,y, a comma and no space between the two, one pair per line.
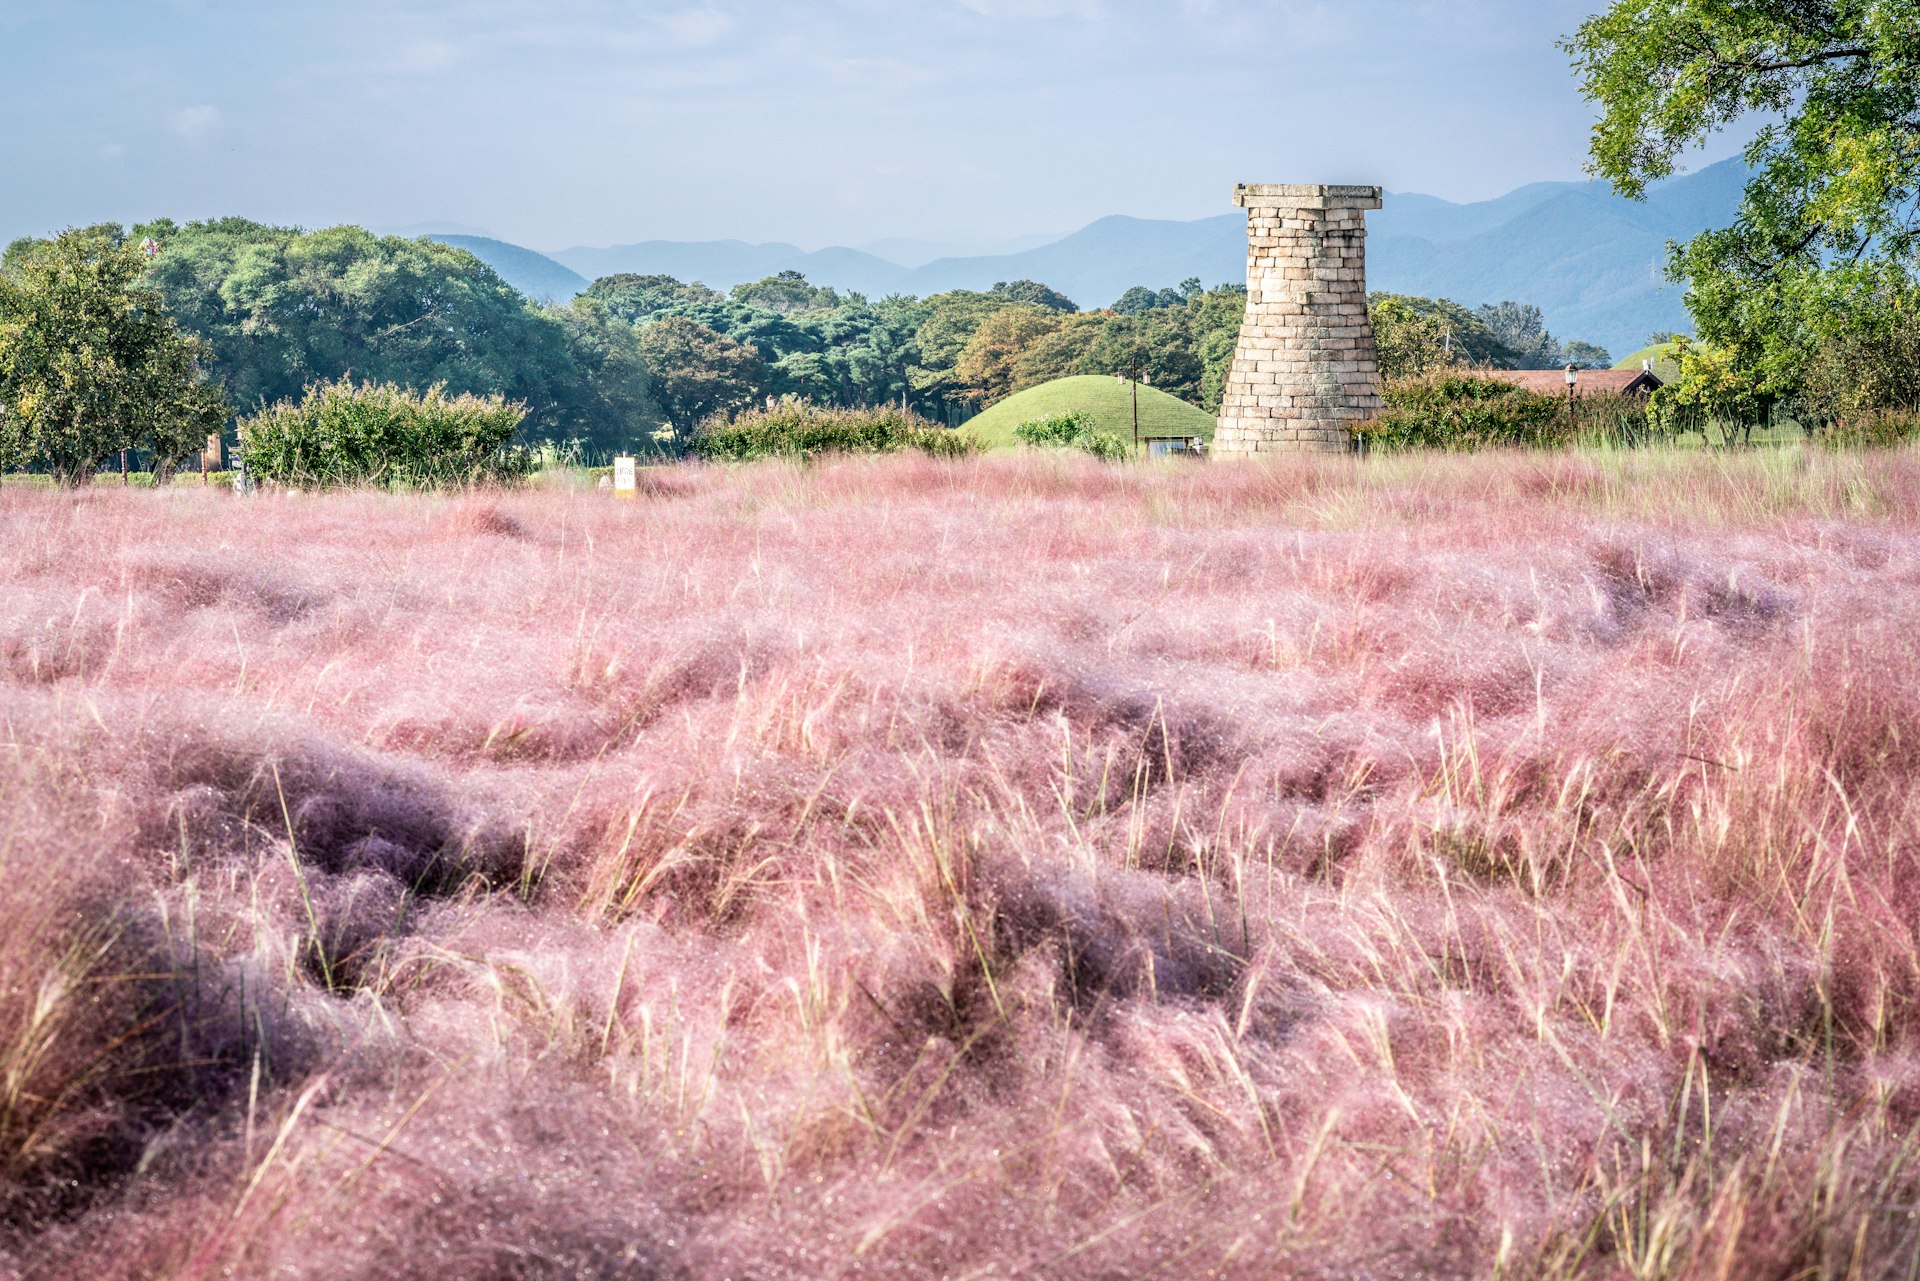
1828,234
699,372
786,292
1032,291
283,309
637,298
91,363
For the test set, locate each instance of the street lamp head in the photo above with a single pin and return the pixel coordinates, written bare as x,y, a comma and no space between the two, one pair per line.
1573,374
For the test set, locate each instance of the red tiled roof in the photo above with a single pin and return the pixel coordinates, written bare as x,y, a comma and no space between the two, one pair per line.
1592,382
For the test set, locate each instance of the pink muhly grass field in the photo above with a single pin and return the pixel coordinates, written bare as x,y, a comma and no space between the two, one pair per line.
1491,867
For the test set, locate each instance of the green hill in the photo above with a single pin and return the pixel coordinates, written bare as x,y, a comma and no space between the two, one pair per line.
1665,367
1107,402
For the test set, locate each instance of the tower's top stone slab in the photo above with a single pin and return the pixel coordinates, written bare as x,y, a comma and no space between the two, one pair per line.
1300,195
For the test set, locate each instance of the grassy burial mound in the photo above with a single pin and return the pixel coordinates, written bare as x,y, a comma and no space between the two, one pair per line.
1108,403
1665,357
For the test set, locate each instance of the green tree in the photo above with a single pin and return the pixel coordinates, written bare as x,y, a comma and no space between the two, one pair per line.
1140,298
698,372
91,362
785,293
615,401
1408,340
952,319
1467,336
1714,387
1871,364
638,299
283,309
1829,226
1158,342
986,369
1217,317
1521,328
878,346
1586,355
1066,351
1032,291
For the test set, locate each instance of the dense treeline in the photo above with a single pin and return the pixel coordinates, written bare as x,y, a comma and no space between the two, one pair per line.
282,309
967,349
949,353
273,311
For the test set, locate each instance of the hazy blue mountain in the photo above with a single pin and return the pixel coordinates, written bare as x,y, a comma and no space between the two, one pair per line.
1096,264
533,274
1592,261
1438,219
909,252
722,264
415,230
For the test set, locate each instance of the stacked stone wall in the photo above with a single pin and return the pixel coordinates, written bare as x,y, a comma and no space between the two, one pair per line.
1306,369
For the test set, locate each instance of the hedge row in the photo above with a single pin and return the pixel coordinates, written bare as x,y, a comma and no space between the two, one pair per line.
796,430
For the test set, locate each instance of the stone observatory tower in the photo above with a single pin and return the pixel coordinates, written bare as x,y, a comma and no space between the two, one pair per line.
1306,368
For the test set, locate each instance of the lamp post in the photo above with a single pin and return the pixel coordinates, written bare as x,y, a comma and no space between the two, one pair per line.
1573,380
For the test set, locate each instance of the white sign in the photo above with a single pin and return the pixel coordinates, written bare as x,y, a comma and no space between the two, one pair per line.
626,482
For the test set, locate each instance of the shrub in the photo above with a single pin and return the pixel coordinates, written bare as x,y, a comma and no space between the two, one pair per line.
343,433
1870,364
1072,430
1885,429
794,429
1715,388
1614,420
1459,412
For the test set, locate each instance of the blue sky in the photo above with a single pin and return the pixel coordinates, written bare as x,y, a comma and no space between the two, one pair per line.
830,121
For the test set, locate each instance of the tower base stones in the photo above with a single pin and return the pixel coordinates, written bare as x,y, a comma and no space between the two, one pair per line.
1305,370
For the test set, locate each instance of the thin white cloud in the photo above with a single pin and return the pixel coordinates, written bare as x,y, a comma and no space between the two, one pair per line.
1033,8
428,56
700,28
194,124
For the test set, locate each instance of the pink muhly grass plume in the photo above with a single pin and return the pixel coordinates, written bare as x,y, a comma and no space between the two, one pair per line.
1495,866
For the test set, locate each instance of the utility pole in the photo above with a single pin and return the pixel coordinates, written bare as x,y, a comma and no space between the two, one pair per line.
1135,375
1136,411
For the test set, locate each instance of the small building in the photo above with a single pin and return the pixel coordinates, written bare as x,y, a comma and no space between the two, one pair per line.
1174,446
1590,382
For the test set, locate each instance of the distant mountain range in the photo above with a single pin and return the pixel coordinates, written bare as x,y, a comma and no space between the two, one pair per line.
1591,260
533,274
